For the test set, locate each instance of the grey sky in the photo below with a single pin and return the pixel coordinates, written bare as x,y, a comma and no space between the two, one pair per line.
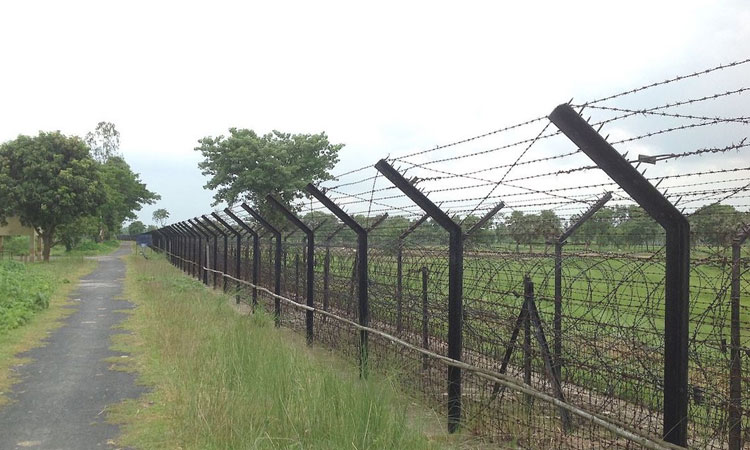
384,78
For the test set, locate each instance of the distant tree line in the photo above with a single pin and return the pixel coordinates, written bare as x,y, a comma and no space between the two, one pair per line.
618,226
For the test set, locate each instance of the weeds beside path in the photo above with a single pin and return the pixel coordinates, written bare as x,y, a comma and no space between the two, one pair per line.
221,380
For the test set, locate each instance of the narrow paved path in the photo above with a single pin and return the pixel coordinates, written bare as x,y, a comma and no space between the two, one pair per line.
61,400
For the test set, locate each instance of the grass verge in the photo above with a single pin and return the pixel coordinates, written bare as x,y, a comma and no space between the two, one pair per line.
87,248
221,380
53,281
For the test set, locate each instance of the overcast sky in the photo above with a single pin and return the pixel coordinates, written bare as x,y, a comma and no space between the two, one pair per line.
389,78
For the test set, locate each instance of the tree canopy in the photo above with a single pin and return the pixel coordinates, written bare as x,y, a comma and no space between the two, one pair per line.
104,141
160,216
47,181
125,194
245,166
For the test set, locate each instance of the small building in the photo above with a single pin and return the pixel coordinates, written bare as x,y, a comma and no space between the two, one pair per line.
14,228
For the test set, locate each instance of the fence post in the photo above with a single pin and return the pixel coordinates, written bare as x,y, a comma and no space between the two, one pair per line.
528,294
400,270
362,273
212,259
237,255
204,250
562,240
256,252
198,241
189,247
310,261
225,256
179,237
735,368
219,232
277,260
455,284
677,277
327,265
425,316
173,246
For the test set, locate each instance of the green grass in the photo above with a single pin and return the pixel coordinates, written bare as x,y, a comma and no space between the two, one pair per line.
22,285
87,248
24,290
221,380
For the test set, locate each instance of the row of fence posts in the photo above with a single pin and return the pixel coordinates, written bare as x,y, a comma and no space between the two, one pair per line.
181,238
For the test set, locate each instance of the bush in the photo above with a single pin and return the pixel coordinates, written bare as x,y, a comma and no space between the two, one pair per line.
22,293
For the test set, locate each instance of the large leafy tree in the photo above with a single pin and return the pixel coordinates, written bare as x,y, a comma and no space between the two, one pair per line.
136,227
716,224
104,141
125,194
48,181
160,216
245,166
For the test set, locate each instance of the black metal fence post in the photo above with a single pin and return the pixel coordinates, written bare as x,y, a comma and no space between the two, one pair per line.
204,250
189,248
528,294
173,248
256,252
198,242
327,265
677,277
735,367
310,291
559,243
193,249
400,270
277,260
455,284
225,256
425,317
362,273
237,255
179,239
218,232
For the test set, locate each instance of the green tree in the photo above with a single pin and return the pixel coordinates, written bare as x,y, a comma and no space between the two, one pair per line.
136,227
49,180
547,227
71,234
160,216
125,194
246,166
598,228
715,225
520,229
104,141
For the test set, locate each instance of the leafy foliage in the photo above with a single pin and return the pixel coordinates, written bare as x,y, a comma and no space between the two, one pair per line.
246,166
125,193
716,225
48,180
104,141
22,293
160,216
136,227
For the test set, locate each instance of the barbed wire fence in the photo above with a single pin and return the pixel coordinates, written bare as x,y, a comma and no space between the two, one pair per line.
535,296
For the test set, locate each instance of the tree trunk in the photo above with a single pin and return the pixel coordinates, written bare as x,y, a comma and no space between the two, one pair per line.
47,243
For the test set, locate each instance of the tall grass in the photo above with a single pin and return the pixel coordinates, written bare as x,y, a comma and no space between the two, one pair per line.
226,381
